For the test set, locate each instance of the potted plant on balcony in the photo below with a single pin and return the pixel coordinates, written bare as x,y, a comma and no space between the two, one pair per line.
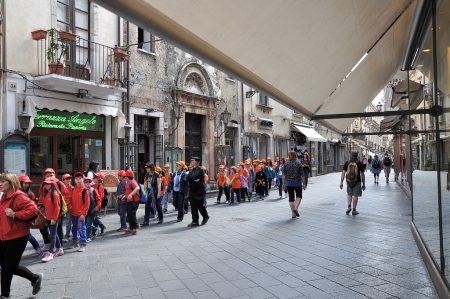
56,52
120,54
39,34
67,36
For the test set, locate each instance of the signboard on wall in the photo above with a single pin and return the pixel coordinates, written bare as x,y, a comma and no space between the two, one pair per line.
111,179
54,119
15,158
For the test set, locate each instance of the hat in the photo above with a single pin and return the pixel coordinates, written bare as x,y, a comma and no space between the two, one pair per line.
66,176
222,166
87,179
24,179
158,169
99,175
181,163
121,173
50,181
167,165
129,173
78,174
49,170
233,167
196,159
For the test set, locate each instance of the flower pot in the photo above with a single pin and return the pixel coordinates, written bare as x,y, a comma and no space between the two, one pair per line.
56,68
120,54
67,36
111,81
38,34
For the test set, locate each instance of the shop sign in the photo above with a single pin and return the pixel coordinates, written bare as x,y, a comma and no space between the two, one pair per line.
111,179
53,119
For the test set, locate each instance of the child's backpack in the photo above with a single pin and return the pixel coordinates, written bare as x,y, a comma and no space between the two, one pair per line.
105,199
352,174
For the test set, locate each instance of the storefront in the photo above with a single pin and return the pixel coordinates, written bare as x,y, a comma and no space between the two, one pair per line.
428,62
66,141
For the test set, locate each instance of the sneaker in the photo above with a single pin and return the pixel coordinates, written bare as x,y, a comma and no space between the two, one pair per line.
102,230
179,220
160,221
82,248
47,257
193,224
58,252
355,212
120,229
127,231
227,202
165,210
348,211
37,284
88,240
39,252
134,231
75,244
65,240
297,214
218,202
145,223
46,247
204,221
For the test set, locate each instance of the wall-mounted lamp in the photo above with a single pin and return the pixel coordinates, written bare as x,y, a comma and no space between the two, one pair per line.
127,128
249,94
24,121
379,107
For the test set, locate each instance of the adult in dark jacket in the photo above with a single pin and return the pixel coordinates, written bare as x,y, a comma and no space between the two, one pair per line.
15,209
197,192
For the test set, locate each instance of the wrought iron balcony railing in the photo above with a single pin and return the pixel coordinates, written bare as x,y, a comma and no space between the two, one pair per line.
69,55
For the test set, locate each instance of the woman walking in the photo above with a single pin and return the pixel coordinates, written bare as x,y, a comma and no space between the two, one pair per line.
279,177
306,164
293,180
15,209
376,169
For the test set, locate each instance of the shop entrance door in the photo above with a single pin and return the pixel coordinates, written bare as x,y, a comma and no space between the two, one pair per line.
193,137
76,153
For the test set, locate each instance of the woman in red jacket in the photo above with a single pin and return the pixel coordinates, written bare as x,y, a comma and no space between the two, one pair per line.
15,207
51,199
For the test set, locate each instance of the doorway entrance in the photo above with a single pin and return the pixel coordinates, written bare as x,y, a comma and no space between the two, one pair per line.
193,137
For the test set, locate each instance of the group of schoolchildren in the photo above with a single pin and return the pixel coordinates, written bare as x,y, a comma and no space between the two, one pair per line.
254,177
59,200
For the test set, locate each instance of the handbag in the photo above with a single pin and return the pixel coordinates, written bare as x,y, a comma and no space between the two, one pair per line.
37,222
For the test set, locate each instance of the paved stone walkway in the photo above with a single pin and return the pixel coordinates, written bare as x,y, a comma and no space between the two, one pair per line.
253,250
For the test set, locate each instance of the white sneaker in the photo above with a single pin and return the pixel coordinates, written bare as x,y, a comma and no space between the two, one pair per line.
58,252
47,257
88,240
82,248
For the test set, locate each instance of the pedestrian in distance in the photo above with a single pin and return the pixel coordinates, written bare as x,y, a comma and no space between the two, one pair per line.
197,192
101,202
122,202
376,169
78,206
222,183
279,177
243,177
353,173
166,180
15,209
306,164
179,188
132,195
51,199
387,164
251,178
260,182
67,180
93,168
294,181
235,180
152,182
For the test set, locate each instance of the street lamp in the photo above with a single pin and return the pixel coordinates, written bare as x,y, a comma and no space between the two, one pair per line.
127,128
24,121
249,94
225,117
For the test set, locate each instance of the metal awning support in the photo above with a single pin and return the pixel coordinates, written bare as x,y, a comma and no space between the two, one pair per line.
435,110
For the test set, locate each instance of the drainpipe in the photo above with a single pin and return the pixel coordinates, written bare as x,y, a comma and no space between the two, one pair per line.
3,63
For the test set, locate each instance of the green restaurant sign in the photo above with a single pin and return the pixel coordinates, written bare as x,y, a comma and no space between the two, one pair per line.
53,119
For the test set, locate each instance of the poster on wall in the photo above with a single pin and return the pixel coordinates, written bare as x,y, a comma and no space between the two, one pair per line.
15,159
111,179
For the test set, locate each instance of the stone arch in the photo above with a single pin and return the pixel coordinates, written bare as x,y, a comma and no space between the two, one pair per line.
194,78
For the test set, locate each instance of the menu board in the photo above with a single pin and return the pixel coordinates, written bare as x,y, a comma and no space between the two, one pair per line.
15,159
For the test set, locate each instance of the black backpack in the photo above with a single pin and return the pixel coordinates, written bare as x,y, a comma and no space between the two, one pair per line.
387,161
352,174
376,163
105,199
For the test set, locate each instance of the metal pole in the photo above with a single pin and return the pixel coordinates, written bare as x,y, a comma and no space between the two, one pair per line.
410,153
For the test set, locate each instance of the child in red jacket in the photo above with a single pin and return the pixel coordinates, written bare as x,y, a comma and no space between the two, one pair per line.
51,199
78,206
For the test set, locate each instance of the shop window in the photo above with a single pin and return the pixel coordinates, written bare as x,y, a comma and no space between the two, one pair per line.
146,41
41,149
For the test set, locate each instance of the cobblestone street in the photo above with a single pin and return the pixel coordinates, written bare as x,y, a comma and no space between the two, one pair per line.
252,250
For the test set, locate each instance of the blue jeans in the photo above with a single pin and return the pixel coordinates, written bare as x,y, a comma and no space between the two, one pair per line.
178,200
78,229
166,199
55,243
98,223
122,211
33,241
89,221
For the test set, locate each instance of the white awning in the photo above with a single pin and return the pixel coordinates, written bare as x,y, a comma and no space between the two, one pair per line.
310,133
270,45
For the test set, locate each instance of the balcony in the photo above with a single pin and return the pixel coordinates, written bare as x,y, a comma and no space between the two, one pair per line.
66,62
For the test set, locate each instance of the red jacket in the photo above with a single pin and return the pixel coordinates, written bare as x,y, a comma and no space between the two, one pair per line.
76,205
129,187
52,208
68,195
24,208
100,195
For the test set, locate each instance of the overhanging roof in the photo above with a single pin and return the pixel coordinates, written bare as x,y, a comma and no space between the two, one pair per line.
310,133
298,51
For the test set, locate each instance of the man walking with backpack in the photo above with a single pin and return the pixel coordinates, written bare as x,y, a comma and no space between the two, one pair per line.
387,164
353,172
